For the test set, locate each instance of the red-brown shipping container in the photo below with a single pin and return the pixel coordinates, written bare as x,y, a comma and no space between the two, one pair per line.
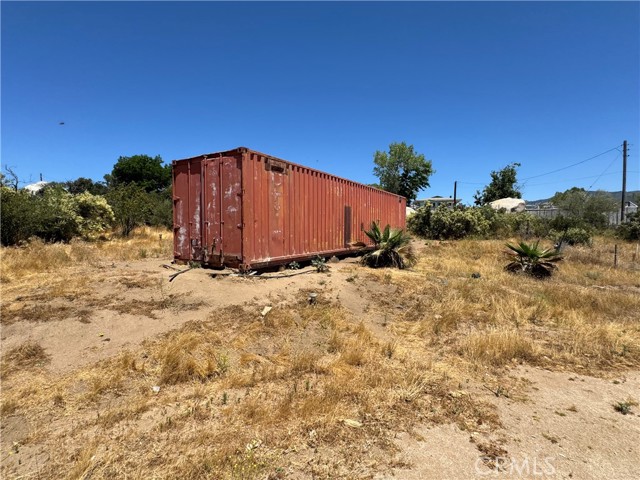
245,209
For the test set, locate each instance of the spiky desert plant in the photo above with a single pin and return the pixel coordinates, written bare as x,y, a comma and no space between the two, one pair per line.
532,260
392,248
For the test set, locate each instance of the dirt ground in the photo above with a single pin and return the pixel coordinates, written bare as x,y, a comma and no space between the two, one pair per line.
556,424
563,427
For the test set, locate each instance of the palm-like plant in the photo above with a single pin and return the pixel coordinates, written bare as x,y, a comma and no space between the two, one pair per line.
532,260
392,248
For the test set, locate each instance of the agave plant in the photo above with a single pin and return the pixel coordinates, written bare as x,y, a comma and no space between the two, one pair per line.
532,260
392,248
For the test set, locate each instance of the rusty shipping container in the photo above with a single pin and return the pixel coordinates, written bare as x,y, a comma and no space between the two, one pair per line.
245,209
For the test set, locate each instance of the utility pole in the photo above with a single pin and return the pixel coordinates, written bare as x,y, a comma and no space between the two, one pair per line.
624,179
455,188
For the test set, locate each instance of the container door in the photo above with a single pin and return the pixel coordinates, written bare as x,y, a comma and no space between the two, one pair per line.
181,249
231,207
211,202
222,200
187,216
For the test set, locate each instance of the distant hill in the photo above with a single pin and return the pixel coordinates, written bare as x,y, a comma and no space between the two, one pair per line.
616,195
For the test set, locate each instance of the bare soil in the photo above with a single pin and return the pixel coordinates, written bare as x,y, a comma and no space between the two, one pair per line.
563,426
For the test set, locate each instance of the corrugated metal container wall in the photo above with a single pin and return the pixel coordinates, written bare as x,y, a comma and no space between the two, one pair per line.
244,209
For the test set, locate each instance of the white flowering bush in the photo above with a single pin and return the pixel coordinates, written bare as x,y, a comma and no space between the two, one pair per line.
95,215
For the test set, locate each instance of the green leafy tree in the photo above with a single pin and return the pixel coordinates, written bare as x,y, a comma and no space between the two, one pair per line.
583,209
143,170
130,204
82,184
402,171
503,185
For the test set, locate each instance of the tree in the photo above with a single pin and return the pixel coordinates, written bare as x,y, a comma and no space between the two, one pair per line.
402,171
130,204
502,185
581,208
9,179
82,184
143,170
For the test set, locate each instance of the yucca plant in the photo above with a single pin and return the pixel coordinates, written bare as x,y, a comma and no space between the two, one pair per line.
392,248
532,260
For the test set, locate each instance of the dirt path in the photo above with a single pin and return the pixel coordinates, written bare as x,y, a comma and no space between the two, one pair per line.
126,303
565,428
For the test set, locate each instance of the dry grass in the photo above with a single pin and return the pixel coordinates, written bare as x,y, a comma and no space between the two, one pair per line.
314,391
26,355
498,347
586,316
37,258
240,414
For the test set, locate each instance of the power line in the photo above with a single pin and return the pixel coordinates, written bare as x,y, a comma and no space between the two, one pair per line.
572,165
603,172
576,178
551,172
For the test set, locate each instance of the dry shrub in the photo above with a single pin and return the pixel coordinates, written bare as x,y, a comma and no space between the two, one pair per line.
306,362
26,355
34,313
600,344
498,347
188,356
278,319
353,353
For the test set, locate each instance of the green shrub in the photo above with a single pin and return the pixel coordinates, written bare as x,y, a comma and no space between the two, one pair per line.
53,215
58,219
420,222
18,216
630,230
572,236
527,225
131,206
458,223
561,223
160,209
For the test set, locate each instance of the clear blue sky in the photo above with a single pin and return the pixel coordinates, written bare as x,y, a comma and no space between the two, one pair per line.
473,86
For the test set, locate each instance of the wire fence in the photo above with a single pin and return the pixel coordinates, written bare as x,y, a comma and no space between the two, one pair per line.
613,218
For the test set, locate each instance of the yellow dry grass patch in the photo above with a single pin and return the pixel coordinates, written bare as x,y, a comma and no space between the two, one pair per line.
37,258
